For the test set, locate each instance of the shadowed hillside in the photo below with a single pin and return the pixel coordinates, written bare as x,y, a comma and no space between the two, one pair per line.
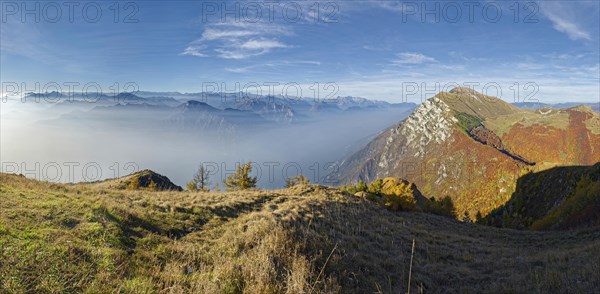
87,238
558,198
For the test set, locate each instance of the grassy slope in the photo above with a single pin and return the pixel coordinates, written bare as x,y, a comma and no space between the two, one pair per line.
468,101
82,238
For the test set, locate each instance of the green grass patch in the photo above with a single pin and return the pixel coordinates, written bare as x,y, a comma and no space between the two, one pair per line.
467,122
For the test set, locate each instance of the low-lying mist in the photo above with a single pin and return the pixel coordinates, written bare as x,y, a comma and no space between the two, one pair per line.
73,144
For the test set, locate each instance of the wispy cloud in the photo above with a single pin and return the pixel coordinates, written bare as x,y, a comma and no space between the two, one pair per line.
216,34
263,44
25,39
243,69
564,19
564,56
376,48
239,40
395,6
245,49
194,51
530,66
412,58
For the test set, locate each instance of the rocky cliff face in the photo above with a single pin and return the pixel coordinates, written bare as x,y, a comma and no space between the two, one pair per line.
429,124
473,148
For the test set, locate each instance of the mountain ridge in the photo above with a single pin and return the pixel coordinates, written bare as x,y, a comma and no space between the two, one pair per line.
473,148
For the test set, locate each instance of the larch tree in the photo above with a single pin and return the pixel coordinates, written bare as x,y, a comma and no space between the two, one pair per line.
200,181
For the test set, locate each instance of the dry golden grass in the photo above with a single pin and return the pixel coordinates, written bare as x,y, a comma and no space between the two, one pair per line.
82,238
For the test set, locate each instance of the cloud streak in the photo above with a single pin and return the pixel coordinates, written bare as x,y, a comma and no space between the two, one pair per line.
564,20
194,51
239,40
412,58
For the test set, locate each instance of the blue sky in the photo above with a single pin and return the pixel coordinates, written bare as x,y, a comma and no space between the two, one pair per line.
372,49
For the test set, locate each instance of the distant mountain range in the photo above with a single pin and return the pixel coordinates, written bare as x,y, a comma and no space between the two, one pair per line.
474,147
221,113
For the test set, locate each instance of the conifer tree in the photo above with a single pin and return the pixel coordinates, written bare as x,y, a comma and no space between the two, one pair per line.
241,179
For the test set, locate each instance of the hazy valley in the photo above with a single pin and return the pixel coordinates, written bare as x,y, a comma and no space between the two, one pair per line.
174,136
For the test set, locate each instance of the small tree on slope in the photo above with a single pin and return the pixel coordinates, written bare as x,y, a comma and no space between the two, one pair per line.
241,179
200,180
